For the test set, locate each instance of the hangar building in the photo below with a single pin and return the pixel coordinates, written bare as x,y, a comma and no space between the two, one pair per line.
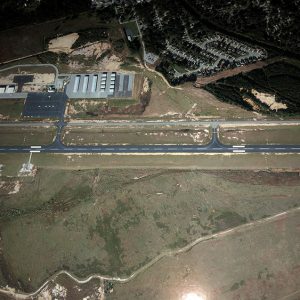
100,86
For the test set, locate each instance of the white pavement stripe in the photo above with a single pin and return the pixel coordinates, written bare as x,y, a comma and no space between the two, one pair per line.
239,151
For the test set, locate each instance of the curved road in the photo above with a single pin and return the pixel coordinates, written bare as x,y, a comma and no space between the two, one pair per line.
35,65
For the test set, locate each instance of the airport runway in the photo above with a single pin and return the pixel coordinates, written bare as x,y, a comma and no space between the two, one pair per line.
213,147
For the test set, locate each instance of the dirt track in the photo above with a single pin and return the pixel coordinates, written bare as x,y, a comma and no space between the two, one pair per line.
228,73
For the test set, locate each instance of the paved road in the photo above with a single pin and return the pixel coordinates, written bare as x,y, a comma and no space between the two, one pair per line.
141,123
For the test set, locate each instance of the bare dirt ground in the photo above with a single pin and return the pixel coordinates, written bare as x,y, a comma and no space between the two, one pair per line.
38,79
269,99
63,43
92,50
229,73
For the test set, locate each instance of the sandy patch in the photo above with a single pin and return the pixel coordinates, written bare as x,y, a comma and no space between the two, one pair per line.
2,117
63,43
10,187
75,65
92,50
39,81
269,99
198,137
7,79
146,86
16,188
252,103
108,63
111,63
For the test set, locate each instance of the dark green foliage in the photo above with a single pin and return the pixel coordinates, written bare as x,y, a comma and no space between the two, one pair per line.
90,36
14,13
281,79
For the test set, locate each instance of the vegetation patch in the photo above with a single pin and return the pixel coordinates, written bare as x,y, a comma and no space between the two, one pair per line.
11,109
278,83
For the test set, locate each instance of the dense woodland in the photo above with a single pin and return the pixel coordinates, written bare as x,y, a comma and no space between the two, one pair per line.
19,12
273,21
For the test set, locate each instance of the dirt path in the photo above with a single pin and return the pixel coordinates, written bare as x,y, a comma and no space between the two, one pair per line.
229,73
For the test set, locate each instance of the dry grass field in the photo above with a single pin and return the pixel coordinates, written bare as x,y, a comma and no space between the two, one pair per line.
26,136
135,136
260,135
113,222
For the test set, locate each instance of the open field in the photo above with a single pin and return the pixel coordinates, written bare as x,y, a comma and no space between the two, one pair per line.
11,109
124,218
185,101
260,262
290,162
255,276
26,136
260,135
133,136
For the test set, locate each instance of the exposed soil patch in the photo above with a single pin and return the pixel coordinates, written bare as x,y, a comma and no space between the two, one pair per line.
63,43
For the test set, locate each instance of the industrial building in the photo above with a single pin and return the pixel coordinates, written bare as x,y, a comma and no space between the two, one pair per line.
102,85
7,89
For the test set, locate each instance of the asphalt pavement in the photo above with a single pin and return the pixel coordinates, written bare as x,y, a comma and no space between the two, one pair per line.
215,146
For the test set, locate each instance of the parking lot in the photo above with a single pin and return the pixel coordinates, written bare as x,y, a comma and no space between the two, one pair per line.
40,105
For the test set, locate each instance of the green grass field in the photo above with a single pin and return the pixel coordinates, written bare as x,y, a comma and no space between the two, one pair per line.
93,221
260,135
11,109
26,136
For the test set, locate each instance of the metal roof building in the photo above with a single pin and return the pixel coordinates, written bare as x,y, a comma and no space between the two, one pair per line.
100,86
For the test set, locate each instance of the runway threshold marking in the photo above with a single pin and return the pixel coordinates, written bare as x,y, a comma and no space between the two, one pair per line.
239,151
